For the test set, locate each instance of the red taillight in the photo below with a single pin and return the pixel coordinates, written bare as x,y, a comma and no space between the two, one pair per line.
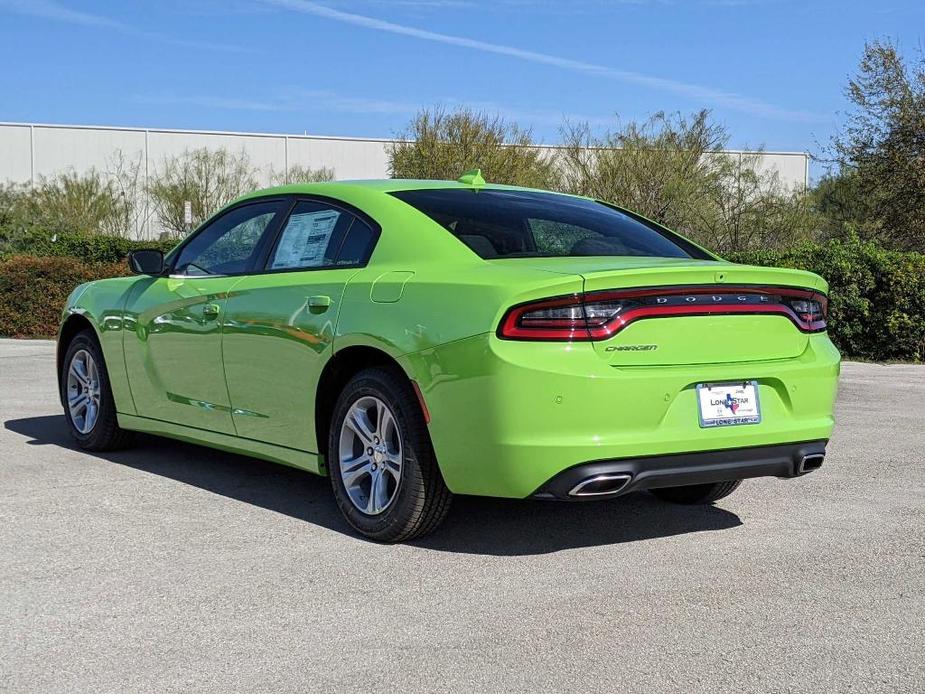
599,315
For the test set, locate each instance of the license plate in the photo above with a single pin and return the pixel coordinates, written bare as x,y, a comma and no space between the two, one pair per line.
726,404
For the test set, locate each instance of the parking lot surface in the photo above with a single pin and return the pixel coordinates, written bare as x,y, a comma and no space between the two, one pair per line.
170,567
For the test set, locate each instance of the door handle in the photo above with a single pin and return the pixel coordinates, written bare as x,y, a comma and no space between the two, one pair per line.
319,303
211,310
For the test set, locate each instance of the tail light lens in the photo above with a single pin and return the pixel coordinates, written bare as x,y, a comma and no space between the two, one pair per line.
600,315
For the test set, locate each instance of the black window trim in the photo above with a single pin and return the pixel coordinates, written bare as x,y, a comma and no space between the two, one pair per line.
356,213
271,235
258,254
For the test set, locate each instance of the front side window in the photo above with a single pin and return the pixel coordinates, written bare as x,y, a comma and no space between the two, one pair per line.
229,244
318,235
528,224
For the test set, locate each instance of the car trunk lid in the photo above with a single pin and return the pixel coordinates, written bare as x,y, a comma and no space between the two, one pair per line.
692,339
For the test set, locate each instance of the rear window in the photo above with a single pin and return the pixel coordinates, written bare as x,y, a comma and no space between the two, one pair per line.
523,224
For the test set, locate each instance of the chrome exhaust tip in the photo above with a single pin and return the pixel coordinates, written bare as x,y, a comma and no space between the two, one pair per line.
808,463
600,485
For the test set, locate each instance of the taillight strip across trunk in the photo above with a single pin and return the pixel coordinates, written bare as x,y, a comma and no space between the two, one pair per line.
599,315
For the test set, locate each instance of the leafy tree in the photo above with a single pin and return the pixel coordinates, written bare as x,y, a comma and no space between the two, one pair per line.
208,179
672,169
880,151
443,145
657,168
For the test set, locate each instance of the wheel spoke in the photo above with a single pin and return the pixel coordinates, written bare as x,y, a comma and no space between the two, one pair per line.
90,417
378,493
360,425
80,368
78,375
386,424
382,496
355,472
79,403
393,465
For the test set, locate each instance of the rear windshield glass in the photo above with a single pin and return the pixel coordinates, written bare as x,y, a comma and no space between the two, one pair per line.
521,224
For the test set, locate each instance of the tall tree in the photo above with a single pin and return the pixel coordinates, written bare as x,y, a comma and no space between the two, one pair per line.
439,144
881,148
672,169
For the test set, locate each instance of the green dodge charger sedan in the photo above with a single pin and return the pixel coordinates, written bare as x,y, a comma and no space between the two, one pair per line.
418,339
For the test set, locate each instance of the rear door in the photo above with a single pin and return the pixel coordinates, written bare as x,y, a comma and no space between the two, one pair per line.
280,323
173,350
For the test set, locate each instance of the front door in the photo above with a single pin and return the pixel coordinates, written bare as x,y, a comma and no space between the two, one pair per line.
173,345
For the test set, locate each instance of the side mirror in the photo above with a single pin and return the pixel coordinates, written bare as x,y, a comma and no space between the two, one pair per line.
146,261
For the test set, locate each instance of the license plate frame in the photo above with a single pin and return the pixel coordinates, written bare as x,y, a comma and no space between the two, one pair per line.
734,395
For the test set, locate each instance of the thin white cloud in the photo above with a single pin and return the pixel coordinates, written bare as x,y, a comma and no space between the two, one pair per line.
56,12
696,92
213,102
297,99
283,100
48,9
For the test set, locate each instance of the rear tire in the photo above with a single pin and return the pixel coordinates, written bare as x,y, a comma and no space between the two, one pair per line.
89,407
697,493
381,462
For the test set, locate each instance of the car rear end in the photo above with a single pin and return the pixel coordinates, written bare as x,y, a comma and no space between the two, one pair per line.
647,372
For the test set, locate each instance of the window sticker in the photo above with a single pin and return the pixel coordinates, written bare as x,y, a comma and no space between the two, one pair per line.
305,239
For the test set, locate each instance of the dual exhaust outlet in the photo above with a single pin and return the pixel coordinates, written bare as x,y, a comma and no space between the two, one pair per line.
614,483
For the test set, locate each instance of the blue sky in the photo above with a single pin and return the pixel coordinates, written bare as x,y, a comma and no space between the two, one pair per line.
773,71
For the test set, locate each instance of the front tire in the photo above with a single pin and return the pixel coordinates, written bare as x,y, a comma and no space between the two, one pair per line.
380,460
89,407
697,493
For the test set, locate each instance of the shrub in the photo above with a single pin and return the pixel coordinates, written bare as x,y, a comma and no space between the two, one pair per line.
33,291
207,179
877,296
301,174
88,203
89,249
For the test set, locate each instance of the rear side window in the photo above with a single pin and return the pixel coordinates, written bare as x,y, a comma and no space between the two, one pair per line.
358,245
317,235
528,224
310,238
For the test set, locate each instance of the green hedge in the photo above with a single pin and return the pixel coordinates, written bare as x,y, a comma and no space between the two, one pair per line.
876,308
89,249
33,291
876,297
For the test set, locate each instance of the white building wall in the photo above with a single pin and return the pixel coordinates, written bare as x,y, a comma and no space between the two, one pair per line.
29,152
16,153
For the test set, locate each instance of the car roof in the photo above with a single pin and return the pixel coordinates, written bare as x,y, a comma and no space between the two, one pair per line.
385,185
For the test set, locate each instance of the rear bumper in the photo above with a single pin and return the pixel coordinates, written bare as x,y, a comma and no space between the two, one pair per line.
507,417
611,478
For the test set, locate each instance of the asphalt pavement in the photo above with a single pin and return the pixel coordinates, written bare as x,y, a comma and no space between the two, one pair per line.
175,568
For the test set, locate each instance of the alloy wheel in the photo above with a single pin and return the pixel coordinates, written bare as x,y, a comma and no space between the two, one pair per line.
83,391
370,455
